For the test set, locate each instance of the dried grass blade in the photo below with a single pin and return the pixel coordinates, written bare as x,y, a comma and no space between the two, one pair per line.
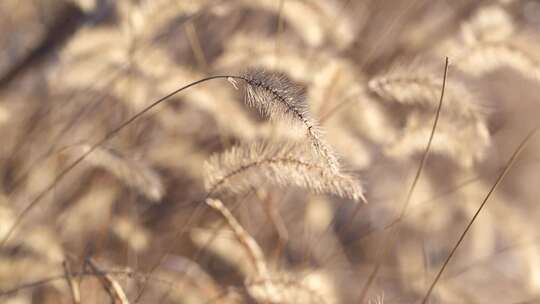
112,287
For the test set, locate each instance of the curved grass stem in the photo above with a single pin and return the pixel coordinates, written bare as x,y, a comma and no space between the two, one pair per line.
392,234
105,138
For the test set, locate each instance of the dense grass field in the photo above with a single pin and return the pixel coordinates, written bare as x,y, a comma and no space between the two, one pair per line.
269,151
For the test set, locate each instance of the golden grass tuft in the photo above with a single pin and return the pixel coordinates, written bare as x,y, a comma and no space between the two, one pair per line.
280,164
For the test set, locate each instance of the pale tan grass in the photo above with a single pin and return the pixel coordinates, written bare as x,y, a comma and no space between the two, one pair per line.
482,58
462,134
135,173
73,286
109,283
280,164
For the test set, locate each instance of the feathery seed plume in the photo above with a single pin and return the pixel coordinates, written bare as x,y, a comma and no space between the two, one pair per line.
274,96
280,164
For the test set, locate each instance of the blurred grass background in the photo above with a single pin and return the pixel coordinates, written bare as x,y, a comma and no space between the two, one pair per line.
70,71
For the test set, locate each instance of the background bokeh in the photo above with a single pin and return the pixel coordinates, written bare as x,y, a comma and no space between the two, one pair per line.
71,71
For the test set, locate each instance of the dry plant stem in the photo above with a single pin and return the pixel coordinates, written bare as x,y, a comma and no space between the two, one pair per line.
179,232
341,228
392,234
198,211
82,112
486,260
250,245
112,287
12,291
73,286
107,137
483,261
67,126
500,178
436,197
272,213
132,274
396,221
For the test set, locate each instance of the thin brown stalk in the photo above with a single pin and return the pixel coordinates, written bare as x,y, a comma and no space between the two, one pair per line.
91,105
272,213
486,260
179,233
95,146
392,234
499,180
251,247
463,132
396,221
54,278
73,286
110,83
112,286
271,94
